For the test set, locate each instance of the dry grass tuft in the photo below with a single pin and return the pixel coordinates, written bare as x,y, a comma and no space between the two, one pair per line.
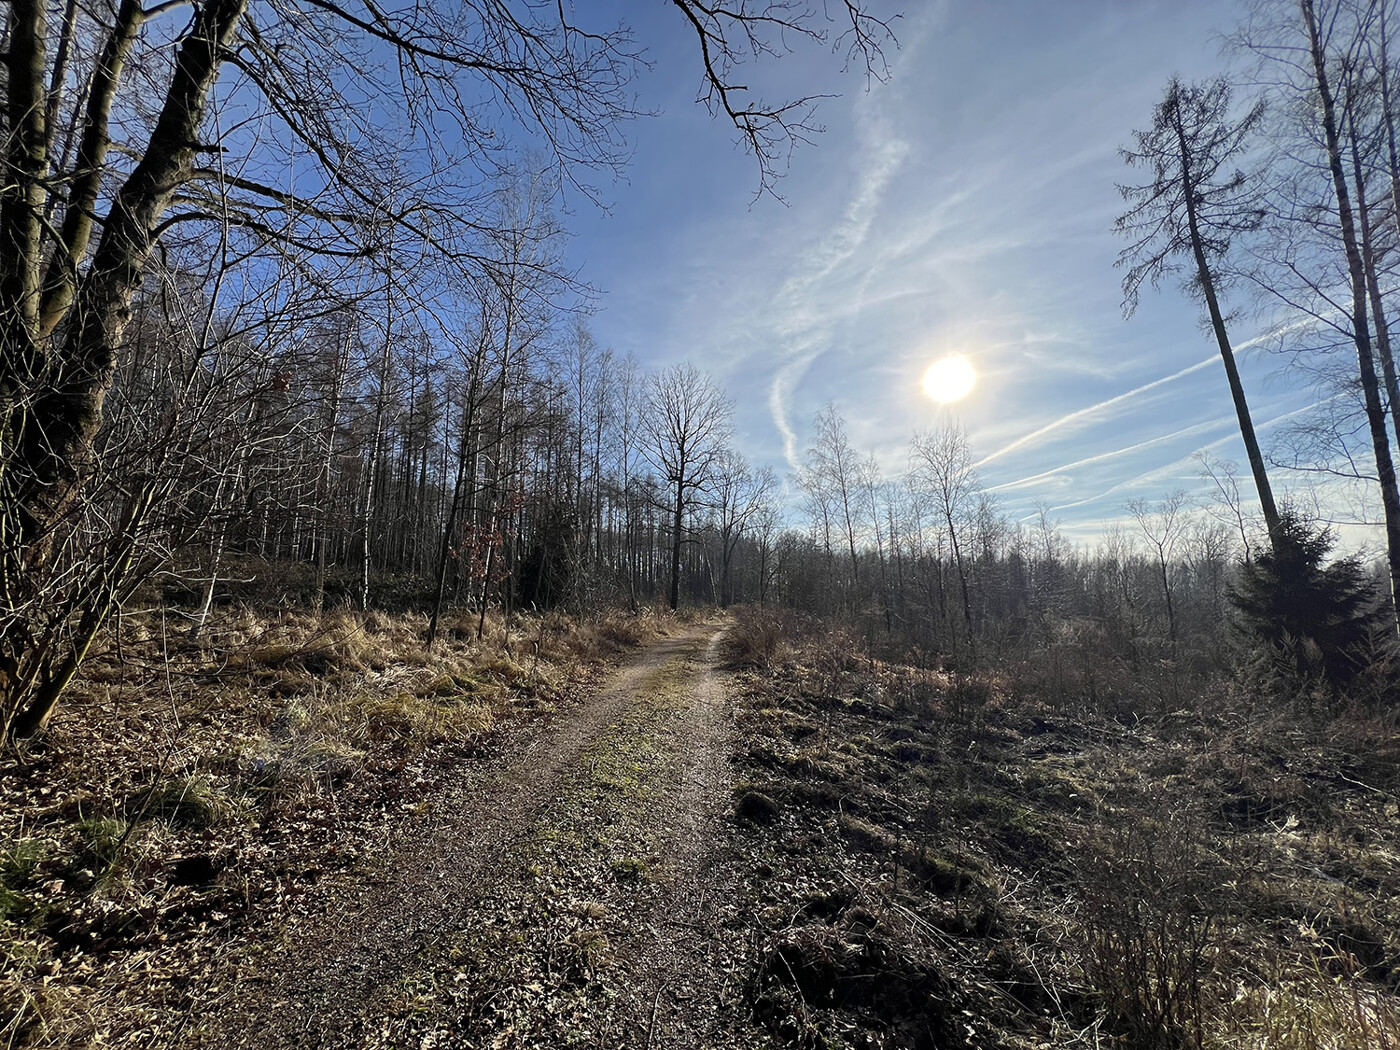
405,716
758,637
1307,1009
195,802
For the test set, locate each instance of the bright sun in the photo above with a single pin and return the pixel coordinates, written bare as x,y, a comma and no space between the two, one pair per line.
949,379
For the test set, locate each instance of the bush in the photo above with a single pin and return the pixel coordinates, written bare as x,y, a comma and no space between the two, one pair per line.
1149,933
756,637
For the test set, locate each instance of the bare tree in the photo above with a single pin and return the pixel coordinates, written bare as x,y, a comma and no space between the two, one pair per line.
475,348
685,424
1225,504
740,496
1162,524
941,471
1194,206
832,474
766,528
524,275
1208,549
876,489
630,397
1383,107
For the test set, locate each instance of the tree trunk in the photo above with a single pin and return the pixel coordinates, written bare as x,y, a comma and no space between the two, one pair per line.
1167,594
1373,285
677,522
1222,339
60,282
450,526
342,363
1392,382
1370,387
377,438
57,446
499,448
962,580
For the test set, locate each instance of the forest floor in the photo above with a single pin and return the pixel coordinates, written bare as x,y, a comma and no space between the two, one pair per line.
655,834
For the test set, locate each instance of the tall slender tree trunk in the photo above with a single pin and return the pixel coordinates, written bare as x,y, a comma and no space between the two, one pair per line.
498,445
598,483
897,549
1222,339
962,579
677,522
450,525
1361,333
880,556
1373,284
1167,594
323,486
1388,369
850,538
376,440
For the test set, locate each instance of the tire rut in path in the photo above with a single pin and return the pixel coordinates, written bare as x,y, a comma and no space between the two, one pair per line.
322,989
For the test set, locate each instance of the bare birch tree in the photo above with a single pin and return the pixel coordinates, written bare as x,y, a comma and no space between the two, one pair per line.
941,471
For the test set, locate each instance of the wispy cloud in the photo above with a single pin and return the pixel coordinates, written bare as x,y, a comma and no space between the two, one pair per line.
832,278
801,326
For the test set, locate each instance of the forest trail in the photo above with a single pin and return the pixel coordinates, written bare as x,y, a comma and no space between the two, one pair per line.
562,895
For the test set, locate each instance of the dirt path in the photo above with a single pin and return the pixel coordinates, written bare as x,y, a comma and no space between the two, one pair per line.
567,895
680,971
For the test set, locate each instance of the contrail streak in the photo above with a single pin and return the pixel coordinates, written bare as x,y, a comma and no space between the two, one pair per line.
1179,463
1185,431
1081,413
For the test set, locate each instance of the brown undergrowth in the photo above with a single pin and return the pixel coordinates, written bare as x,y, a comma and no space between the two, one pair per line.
967,860
188,787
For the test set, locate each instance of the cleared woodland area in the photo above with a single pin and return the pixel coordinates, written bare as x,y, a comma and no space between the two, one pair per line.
758,833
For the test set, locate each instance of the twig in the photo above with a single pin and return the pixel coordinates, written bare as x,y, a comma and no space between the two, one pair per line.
1366,787
651,1028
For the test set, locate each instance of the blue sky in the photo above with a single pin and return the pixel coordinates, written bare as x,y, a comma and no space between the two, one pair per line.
964,206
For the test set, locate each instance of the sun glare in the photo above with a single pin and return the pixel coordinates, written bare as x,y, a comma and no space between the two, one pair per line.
950,379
